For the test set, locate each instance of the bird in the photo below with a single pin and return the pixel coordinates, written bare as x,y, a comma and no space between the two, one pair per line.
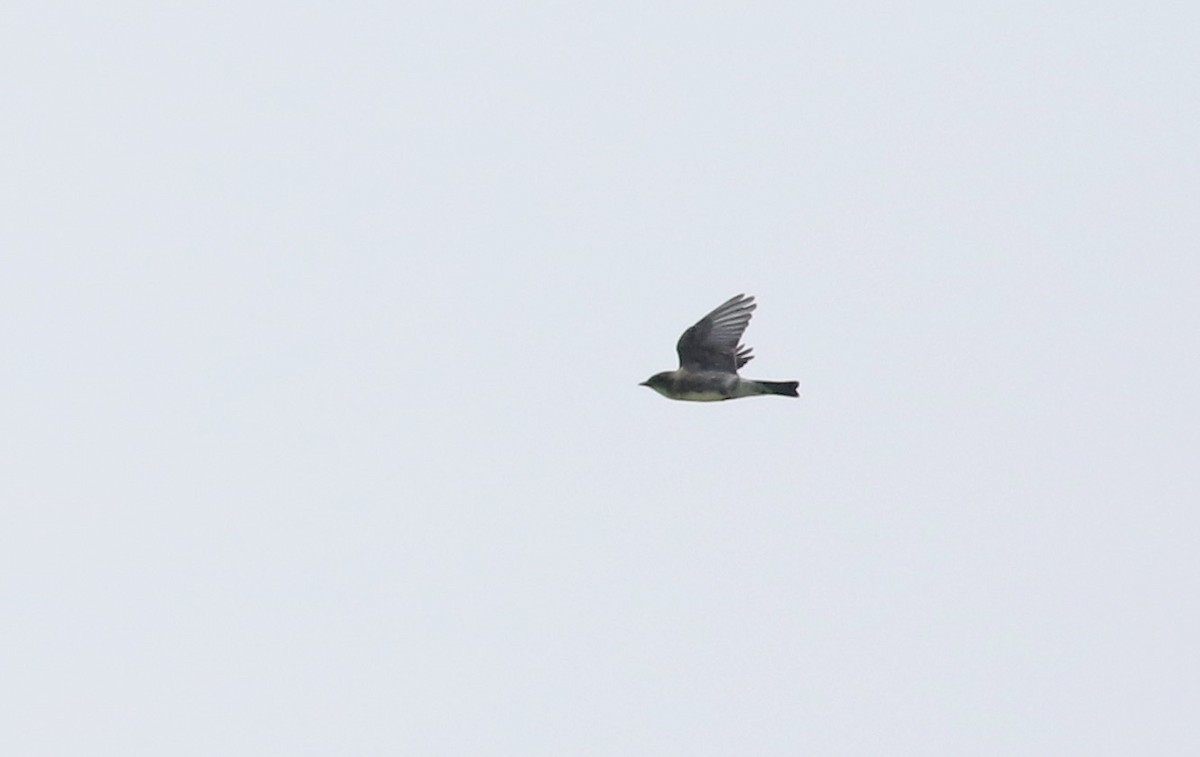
710,354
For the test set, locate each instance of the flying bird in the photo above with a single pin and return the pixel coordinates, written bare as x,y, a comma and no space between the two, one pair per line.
710,355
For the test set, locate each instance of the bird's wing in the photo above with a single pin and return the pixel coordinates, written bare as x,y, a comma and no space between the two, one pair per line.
712,344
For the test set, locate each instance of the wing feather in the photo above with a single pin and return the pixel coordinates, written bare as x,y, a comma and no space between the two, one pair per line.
713,343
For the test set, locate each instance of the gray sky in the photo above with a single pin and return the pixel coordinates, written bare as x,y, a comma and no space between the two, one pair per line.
324,323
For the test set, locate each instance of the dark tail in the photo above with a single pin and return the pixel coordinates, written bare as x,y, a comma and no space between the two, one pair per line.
784,388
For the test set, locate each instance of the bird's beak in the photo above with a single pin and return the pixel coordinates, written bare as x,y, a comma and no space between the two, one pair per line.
644,383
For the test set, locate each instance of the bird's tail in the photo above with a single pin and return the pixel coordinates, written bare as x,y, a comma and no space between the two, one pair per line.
784,388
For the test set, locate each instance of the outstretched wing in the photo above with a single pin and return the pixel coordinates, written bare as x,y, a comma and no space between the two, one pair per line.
712,344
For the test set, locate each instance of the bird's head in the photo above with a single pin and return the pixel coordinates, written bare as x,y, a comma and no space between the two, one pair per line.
659,382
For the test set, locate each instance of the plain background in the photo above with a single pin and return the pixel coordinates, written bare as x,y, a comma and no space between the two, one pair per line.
323,325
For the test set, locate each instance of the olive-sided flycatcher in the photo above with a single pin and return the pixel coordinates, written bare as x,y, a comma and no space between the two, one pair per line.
710,356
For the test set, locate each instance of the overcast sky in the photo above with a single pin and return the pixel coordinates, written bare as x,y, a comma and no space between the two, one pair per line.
323,328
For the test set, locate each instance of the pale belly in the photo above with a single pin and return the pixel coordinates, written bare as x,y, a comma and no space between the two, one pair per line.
707,396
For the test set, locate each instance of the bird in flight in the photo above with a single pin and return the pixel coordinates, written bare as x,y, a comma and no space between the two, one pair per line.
710,355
